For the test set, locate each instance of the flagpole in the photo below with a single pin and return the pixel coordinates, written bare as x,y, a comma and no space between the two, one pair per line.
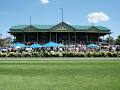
30,20
92,21
62,14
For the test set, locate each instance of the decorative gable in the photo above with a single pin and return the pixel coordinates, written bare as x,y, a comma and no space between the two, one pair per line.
30,28
63,27
93,29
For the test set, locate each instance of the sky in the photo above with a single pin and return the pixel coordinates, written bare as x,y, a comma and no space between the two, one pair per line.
47,12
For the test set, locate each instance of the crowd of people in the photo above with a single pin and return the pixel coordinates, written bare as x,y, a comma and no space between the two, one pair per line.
68,48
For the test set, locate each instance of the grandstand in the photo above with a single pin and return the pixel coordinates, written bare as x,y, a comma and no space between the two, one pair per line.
60,33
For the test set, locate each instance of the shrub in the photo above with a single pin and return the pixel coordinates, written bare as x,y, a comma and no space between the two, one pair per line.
79,54
26,54
96,54
46,54
12,54
115,54
112,54
65,54
19,54
60,54
54,54
3,54
35,54
118,54
68,54
89,54
102,54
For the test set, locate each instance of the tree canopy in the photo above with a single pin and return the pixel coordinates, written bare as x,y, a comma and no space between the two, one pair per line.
118,40
110,39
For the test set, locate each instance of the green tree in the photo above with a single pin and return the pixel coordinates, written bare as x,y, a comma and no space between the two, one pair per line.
118,40
1,42
5,41
110,39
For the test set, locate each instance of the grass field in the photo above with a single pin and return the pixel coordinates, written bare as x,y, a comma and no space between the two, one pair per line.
60,75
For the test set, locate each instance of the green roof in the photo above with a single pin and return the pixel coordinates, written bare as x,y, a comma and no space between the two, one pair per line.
102,28
79,28
19,27
36,26
43,26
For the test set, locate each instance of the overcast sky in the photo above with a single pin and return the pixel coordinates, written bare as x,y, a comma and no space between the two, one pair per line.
77,12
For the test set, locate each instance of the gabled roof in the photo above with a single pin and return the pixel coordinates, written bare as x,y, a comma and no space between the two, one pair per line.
43,26
36,26
79,28
19,27
62,25
102,28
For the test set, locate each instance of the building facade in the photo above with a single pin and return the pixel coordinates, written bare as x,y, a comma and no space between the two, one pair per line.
60,33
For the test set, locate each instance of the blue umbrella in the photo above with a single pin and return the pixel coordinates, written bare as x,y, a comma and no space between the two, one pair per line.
61,45
36,46
92,45
51,44
19,44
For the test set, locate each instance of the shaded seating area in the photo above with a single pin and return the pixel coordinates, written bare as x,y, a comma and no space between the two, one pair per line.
35,45
53,44
92,46
19,45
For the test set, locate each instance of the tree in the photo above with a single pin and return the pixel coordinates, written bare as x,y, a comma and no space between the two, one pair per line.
110,39
118,40
5,41
1,42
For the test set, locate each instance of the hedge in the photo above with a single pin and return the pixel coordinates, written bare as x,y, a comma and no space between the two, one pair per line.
60,54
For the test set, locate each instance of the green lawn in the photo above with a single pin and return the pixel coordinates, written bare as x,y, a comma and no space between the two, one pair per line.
60,75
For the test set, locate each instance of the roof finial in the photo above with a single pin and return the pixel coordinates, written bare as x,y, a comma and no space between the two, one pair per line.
92,20
62,12
30,20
